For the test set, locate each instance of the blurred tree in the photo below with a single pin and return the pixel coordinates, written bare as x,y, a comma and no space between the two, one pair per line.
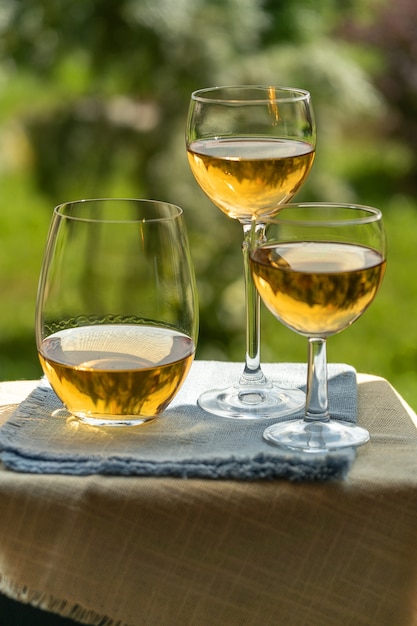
392,33
95,97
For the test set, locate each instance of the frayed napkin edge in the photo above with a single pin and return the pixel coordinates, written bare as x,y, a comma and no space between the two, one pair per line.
263,466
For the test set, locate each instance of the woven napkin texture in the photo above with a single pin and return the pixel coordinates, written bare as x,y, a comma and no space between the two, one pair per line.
184,441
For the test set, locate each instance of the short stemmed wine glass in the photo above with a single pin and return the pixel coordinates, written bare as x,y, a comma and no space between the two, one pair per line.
317,268
250,148
116,312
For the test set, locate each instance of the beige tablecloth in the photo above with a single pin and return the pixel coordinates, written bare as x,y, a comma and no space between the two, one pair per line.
167,552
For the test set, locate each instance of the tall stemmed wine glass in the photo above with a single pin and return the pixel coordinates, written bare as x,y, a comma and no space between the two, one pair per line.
317,268
250,149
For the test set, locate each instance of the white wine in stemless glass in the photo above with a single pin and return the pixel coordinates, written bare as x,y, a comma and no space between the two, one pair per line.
117,313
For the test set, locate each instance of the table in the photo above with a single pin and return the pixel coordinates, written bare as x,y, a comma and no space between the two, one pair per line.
166,552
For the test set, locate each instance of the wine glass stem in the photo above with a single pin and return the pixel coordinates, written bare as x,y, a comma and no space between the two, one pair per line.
252,373
317,403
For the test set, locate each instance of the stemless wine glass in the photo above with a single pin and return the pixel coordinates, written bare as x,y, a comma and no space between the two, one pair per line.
116,312
250,149
317,268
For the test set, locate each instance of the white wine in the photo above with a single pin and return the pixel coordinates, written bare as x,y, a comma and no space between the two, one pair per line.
317,288
114,371
247,176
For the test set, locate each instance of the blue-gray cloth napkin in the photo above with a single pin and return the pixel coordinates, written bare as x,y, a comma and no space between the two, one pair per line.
184,441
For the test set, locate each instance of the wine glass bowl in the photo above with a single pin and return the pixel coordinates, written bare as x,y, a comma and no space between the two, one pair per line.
317,268
116,312
250,149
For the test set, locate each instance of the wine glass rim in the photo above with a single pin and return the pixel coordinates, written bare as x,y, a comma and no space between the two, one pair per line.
290,94
60,210
371,214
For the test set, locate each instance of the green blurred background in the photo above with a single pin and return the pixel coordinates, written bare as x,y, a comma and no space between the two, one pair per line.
94,98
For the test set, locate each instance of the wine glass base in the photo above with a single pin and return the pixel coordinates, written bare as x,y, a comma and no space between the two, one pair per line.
115,421
252,402
314,437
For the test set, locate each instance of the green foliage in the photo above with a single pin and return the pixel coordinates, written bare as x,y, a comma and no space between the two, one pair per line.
94,103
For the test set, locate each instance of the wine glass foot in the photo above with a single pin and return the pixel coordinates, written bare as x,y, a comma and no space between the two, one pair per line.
314,437
252,402
116,422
